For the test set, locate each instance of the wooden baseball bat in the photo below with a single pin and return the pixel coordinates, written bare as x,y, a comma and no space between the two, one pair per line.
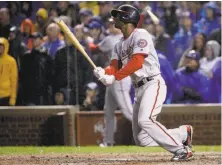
74,40
154,18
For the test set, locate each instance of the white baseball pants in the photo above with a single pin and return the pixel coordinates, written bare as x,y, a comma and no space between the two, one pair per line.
147,131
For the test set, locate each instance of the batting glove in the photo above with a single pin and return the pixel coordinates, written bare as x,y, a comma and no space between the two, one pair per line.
99,72
107,79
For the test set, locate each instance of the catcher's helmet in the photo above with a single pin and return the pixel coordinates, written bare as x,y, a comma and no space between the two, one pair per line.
127,14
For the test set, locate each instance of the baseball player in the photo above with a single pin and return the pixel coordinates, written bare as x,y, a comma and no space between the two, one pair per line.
117,95
139,61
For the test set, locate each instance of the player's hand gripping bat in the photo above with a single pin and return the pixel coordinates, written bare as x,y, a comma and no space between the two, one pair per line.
74,40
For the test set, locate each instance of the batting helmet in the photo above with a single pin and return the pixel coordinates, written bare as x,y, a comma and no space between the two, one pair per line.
127,14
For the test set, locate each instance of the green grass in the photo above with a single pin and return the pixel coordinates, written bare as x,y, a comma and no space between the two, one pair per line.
94,149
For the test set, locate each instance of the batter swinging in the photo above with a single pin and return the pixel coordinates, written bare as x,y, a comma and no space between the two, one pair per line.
139,58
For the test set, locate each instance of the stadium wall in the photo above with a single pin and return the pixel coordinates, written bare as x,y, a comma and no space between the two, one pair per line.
205,119
37,125
65,125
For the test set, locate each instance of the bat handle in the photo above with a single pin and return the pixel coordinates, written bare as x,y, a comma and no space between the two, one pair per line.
92,63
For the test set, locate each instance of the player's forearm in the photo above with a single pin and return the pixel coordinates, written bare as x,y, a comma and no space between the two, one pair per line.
133,65
112,68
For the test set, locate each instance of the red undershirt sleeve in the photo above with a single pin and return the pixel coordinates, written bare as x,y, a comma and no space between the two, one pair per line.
93,47
133,65
112,68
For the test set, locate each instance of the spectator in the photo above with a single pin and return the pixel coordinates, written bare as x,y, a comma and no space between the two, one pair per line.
167,72
93,5
182,8
198,45
85,16
15,13
90,102
212,53
60,98
27,28
97,19
158,9
104,9
48,5
215,35
95,31
98,57
36,74
164,44
53,13
26,8
62,8
41,21
8,75
216,83
183,38
192,85
72,72
66,20
141,5
82,37
170,18
150,27
73,12
196,8
211,22
17,48
213,4
53,42
5,23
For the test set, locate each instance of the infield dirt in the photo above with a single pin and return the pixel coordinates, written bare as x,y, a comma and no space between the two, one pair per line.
201,158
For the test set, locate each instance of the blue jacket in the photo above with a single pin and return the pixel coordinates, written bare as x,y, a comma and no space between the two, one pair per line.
196,16
182,41
207,26
212,5
195,81
215,96
165,44
52,47
167,73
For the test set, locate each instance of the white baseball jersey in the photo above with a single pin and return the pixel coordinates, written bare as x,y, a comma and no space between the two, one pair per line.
139,42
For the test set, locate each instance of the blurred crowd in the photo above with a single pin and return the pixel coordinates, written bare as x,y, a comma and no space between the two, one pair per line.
39,65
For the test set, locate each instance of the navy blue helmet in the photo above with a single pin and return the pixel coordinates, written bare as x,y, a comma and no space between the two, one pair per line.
127,14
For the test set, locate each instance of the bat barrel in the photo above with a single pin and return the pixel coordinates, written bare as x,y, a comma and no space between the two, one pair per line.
74,40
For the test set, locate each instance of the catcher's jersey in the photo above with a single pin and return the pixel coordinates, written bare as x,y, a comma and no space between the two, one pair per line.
139,42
